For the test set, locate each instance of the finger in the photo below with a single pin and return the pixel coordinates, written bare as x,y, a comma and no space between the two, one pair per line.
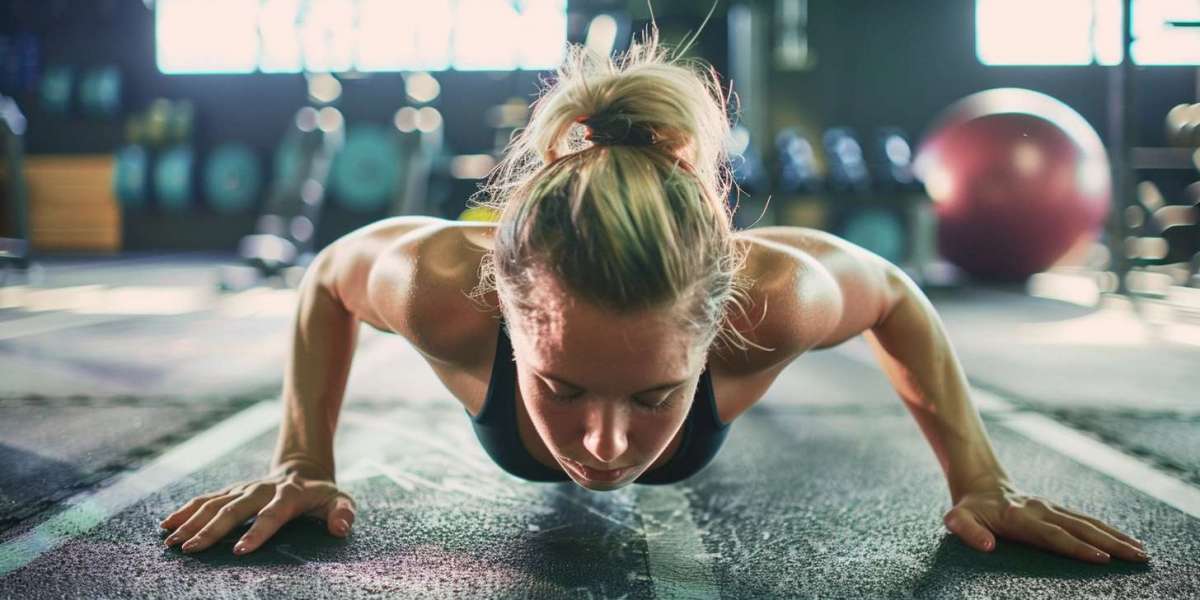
970,530
1113,531
1096,536
1057,539
198,519
280,510
341,516
187,510
226,518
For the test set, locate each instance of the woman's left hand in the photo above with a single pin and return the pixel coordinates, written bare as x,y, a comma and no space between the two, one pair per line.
980,516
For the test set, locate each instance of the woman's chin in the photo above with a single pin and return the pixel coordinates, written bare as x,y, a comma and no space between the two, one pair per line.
601,484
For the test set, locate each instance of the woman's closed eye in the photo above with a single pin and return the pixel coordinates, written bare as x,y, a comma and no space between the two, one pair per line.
658,404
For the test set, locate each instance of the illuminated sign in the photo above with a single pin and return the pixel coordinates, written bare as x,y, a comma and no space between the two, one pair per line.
290,36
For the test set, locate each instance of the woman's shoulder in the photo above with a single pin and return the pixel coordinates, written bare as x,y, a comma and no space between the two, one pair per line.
787,296
439,265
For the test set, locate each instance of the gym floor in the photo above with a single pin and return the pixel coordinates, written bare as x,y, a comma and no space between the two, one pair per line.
130,385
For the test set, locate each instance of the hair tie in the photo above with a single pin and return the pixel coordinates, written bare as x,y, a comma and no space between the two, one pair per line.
615,131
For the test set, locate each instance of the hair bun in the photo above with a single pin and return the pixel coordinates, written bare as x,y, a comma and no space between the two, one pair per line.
616,130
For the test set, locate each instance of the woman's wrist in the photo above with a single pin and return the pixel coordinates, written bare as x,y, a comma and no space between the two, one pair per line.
986,481
303,466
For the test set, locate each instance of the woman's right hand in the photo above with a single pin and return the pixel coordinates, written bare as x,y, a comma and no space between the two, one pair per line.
272,501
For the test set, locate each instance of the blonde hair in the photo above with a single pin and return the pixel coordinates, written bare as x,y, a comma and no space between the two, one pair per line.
624,227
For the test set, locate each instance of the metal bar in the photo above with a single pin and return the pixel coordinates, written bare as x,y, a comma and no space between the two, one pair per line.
1120,138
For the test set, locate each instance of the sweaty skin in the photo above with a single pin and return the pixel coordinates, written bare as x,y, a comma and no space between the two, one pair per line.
583,375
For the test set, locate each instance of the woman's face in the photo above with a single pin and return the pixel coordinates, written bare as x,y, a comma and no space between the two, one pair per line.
603,390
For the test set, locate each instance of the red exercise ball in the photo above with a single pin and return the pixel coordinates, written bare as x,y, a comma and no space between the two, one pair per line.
1017,177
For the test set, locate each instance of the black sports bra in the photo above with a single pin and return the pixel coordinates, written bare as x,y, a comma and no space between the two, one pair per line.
496,428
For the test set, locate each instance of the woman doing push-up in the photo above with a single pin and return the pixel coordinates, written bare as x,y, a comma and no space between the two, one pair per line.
612,324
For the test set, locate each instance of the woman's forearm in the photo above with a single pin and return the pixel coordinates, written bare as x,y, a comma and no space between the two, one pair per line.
314,383
913,348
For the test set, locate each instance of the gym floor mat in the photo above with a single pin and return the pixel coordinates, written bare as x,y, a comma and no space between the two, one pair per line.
826,487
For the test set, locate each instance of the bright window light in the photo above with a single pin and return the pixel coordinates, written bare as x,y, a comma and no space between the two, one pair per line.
387,36
1082,32
543,46
1107,38
327,35
280,41
485,35
1007,33
1157,41
290,36
434,30
602,34
207,36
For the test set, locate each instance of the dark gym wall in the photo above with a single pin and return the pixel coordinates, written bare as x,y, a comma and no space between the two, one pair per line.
901,62
879,63
254,109
251,108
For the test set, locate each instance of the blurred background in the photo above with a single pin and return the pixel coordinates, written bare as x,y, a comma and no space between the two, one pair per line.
169,168
272,127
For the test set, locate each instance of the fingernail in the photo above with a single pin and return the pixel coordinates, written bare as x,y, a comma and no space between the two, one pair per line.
1102,556
239,548
188,546
342,526
1142,555
171,540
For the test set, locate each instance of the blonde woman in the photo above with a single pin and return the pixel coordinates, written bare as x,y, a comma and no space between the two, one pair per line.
610,327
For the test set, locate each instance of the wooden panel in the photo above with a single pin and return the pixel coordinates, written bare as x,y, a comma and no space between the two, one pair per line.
71,203
78,240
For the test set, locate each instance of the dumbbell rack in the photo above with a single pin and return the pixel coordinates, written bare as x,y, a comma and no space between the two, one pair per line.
1129,214
1165,223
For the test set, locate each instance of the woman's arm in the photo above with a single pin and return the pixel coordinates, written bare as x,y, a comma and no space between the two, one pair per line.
315,377
913,348
865,294
333,299
915,353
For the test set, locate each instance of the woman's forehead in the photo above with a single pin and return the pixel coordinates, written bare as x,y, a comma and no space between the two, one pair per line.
572,344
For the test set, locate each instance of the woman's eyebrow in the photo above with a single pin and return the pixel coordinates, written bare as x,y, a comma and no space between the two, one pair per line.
665,386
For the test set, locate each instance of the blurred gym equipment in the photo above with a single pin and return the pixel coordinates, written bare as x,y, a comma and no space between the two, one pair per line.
878,228
365,171
100,91
132,176
891,160
173,170
283,242
1017,177
421,137
232,178
1175,122
14,217
58,82
799,171
748,170
847,166
1178,225
158,165
480,213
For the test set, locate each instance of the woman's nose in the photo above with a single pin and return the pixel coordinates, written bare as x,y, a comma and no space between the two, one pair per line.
606,437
